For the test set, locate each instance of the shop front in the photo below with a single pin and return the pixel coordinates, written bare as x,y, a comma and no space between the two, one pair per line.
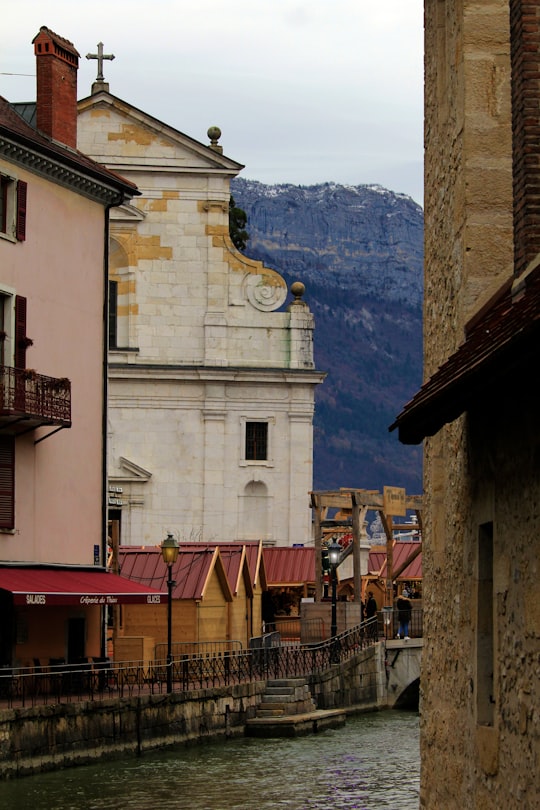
58,615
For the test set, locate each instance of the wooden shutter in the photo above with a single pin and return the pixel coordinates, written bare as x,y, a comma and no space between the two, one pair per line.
20,227
7,482
20,331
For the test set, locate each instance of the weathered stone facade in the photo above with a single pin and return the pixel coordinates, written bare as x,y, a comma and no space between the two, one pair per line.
480,742
198,348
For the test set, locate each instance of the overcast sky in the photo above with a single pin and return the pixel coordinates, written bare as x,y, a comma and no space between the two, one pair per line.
304,91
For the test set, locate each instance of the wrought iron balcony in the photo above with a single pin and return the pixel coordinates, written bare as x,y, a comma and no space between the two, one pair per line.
29,400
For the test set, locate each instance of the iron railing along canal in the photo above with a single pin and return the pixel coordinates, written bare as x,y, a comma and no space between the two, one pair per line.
102,679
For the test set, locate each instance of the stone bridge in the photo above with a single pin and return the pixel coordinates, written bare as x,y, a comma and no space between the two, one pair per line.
402,662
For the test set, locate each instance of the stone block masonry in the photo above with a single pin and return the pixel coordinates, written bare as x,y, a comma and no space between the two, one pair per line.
46,738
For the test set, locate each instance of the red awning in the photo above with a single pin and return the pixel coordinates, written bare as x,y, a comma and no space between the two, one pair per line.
55,586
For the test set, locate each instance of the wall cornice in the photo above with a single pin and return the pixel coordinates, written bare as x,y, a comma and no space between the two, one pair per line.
58,172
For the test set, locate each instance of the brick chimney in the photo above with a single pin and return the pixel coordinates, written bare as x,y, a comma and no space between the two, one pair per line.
57,63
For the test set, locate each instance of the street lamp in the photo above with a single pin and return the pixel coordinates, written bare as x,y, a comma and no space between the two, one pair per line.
169,552
334,554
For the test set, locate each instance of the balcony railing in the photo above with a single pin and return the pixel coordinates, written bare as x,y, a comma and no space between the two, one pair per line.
27,395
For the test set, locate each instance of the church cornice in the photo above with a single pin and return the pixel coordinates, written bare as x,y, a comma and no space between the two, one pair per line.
166,372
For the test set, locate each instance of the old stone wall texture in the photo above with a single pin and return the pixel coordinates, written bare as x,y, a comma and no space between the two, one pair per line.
45,738
481,470
51,737
357,682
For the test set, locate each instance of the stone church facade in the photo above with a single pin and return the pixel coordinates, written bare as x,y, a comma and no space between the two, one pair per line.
477,410
211,370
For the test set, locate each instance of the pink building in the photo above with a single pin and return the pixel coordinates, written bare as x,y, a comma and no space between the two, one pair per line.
54,205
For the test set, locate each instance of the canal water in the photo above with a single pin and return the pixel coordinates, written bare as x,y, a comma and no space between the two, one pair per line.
371,763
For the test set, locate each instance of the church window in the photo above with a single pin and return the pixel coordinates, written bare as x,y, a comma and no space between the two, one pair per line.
256,441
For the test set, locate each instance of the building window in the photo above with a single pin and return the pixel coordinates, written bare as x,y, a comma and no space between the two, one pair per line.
21,340
12,208
7,482
7,327
485,664
5,184
113,314
256,441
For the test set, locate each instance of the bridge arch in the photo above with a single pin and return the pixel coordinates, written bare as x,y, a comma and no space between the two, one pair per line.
403,660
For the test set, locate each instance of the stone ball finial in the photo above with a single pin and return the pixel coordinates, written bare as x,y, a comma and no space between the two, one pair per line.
298,289
214,133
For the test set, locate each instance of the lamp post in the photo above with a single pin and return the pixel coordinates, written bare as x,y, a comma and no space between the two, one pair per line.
334,554
169,552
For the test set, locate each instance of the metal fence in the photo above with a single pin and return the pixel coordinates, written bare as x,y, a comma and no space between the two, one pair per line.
102,679
388,625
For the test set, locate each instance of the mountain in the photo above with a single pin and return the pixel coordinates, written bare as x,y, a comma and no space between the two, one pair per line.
359,252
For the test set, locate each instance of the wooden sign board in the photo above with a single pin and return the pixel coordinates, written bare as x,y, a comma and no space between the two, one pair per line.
394,501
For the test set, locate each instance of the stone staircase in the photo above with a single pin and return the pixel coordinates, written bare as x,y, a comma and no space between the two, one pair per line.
287,709
286,696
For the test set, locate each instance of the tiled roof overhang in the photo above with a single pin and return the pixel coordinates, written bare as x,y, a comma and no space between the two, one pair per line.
21,144
502,339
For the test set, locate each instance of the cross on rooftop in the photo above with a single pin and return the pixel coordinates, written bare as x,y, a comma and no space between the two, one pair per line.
100,56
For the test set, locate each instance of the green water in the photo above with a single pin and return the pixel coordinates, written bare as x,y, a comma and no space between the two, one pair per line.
371,763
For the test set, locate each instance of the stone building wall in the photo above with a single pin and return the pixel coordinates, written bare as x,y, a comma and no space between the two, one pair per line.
479,744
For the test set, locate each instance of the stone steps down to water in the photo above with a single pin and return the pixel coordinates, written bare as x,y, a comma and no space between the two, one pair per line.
287,709
286,697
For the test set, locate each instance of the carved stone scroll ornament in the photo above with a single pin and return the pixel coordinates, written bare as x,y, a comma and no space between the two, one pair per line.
265,292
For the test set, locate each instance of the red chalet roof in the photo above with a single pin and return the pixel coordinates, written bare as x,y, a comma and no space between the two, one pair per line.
289,566
191,572
235,562
503,337
402,550
253,553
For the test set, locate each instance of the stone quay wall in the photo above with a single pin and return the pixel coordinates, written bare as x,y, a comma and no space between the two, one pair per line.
359,682
44,738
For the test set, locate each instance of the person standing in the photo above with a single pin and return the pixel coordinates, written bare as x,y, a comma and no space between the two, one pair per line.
404,616
371,614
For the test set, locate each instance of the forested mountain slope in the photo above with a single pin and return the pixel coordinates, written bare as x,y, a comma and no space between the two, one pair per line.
358,250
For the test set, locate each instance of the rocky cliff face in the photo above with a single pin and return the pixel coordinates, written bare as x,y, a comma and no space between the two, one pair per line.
358,250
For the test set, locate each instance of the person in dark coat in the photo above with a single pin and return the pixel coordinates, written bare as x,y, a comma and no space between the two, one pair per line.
404,616
371,611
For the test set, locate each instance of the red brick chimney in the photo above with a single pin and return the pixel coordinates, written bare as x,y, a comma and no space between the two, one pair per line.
57,63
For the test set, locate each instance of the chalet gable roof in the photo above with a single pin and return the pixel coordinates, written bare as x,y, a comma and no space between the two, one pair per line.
402,551
240,560
191,573
289,566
